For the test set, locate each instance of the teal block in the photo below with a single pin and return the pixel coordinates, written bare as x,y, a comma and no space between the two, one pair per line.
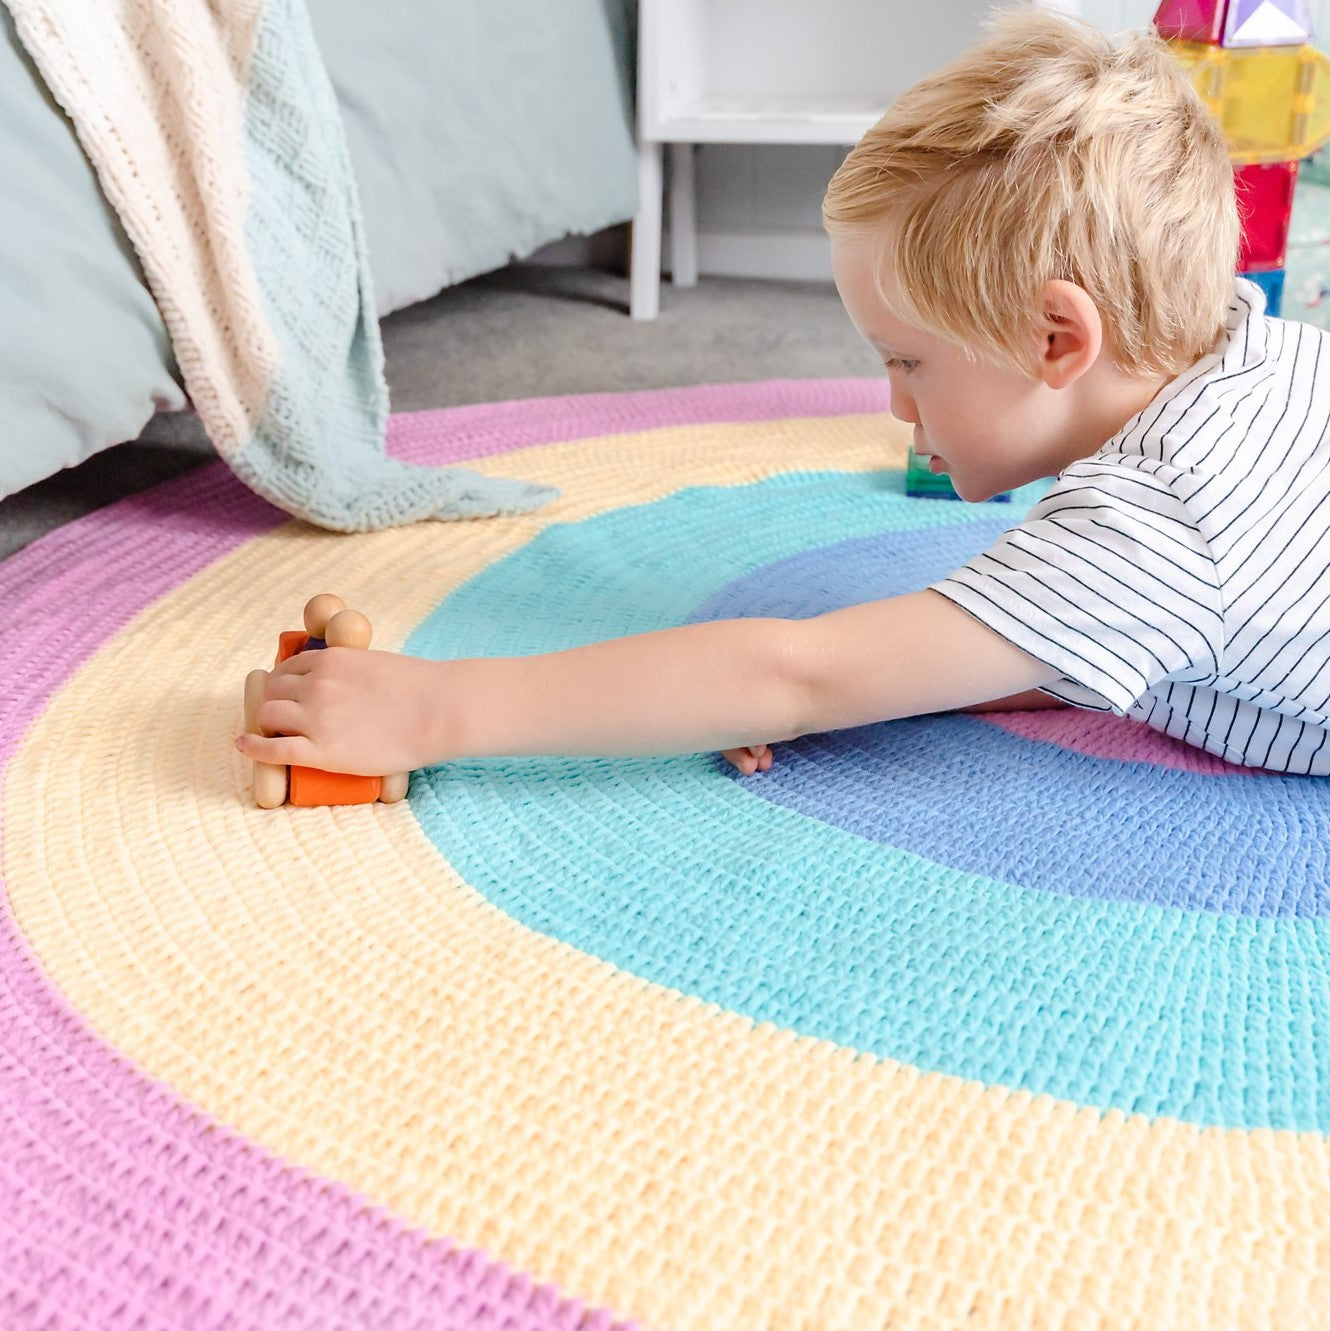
920,483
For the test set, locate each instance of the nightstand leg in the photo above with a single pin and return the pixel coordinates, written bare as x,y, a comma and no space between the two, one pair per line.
644,263
683,216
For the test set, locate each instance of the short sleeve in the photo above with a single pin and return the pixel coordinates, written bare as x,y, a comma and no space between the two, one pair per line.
1109,581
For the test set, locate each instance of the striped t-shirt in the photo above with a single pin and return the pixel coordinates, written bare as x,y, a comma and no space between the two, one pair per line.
1181,574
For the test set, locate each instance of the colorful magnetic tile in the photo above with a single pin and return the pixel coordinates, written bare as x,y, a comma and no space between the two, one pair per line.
920,483
1267,23
1265,204
1271,281
1191,20
1273,102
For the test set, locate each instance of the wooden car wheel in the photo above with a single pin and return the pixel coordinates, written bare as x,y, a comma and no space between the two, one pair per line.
269,778
394,787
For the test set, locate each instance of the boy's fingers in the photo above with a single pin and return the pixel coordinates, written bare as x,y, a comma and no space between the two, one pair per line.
280,750
277,686
751,758
281,716
299,664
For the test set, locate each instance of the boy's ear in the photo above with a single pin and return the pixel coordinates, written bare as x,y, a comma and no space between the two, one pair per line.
1071,334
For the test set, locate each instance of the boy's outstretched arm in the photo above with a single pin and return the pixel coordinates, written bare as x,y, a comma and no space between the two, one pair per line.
723,686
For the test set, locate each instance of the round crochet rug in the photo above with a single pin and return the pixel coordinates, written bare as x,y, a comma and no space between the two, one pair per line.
1008,1021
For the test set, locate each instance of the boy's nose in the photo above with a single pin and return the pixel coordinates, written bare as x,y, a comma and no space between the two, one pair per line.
903,408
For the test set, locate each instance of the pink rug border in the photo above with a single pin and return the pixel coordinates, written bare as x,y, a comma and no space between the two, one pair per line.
498,427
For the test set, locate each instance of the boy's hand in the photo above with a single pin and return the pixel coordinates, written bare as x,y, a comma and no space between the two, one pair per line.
753,758
345,710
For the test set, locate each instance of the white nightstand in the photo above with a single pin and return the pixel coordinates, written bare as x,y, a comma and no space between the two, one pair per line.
766,71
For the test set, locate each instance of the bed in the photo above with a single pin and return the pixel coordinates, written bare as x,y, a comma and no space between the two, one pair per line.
477,132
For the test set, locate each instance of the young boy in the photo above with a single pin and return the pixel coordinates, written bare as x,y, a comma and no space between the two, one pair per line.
1040,242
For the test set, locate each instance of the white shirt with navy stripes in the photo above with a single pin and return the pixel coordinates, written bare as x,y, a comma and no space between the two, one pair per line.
1181,574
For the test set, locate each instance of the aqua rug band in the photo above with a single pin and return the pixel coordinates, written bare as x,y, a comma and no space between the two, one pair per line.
987,944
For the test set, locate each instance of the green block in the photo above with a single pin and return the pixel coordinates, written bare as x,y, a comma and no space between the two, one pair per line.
920,483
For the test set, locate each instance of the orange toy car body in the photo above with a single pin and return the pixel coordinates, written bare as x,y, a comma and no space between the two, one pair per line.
309,786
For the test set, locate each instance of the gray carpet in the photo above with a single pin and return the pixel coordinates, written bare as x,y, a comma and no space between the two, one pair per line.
521,332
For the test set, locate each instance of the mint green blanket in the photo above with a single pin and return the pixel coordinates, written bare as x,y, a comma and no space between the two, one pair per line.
216,137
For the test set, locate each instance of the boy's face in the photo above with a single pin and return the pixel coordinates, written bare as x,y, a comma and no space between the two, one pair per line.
989,428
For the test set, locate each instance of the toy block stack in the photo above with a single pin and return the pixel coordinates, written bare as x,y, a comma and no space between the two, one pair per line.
1255,68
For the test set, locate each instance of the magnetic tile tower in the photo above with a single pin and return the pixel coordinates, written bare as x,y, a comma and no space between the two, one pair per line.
1255,68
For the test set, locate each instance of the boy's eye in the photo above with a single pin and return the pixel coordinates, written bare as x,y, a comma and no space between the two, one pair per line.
896,363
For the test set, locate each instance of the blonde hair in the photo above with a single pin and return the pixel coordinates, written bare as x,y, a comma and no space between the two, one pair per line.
1047,152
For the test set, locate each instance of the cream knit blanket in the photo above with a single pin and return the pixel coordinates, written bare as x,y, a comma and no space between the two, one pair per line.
216,136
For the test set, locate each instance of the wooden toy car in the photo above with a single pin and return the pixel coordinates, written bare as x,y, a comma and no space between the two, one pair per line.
328,623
